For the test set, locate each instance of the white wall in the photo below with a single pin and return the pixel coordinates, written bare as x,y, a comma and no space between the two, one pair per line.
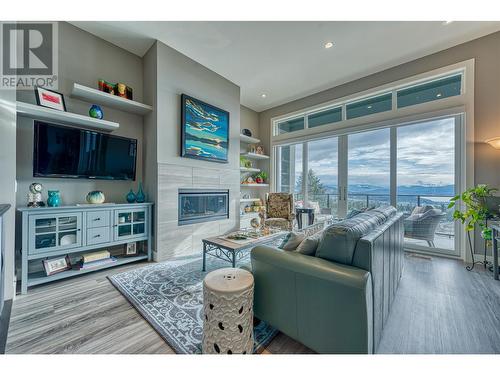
8,181
177,74
84,58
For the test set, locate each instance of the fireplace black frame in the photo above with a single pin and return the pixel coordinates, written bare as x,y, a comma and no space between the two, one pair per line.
204,218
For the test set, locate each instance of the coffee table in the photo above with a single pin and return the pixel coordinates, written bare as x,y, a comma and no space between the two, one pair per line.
230,251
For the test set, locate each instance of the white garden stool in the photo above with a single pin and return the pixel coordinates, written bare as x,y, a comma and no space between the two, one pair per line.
228,312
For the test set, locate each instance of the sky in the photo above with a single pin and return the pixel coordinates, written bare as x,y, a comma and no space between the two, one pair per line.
425,156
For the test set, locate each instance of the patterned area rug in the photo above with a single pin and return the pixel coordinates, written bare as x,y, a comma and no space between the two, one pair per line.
169,296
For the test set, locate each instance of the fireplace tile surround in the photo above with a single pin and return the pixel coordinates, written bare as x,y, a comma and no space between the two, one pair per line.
181,240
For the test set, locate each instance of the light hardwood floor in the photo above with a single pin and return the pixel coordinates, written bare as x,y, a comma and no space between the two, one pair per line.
439,308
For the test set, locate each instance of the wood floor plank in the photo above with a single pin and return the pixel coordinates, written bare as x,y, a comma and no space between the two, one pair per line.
439,308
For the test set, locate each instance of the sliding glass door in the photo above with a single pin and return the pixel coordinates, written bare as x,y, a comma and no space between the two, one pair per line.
368,169
427,178
414,167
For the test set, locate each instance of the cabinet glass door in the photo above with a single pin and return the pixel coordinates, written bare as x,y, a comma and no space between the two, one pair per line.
45,233
55,232
130,224
68,230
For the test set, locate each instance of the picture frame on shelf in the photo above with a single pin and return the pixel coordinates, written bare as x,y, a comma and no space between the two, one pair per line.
131,249
56,265
50,99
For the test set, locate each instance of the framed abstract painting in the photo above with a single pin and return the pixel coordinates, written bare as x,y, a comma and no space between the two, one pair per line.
204,131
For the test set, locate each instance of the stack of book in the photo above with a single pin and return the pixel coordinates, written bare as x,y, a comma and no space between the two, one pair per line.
95,260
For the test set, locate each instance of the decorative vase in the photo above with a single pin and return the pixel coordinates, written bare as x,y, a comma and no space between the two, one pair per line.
96,112
54,199
140,197
95,197
131,196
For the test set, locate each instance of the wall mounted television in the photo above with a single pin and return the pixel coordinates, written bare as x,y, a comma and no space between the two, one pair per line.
66,152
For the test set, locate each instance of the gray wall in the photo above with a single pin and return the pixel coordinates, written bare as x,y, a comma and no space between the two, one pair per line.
84,58
177,74
485,51
250,120
8,181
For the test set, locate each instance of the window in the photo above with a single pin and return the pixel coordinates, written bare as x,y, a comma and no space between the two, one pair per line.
292,125
430,91
290,169
369,106
325,117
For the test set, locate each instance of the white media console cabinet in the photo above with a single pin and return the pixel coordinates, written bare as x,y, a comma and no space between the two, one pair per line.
49,232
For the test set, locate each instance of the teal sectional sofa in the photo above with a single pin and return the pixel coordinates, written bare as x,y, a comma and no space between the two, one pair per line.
337,301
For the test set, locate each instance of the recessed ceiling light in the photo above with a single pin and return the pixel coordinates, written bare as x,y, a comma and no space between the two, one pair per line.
263,96
369,107
447,22
438,95
328,45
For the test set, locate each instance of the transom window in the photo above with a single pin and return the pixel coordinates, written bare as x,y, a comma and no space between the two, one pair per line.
400,97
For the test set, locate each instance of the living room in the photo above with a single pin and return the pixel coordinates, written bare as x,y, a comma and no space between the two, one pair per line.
215,187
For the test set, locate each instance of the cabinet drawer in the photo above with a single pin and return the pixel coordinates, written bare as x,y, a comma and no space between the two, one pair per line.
97,235
96,219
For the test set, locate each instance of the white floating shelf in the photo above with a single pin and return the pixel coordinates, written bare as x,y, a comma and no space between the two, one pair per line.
247,139
243,169
248,200
255,185
64,118
250,214
252,155
99,97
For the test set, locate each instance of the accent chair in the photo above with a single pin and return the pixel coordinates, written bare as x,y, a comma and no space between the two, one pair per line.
422,223
280,210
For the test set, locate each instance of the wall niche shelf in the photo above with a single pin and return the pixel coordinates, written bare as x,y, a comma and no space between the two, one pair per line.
252,155
243,169
99,97
255,185
246,139
248,200
64,118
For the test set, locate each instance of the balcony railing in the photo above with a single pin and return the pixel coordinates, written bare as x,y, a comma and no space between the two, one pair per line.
328,204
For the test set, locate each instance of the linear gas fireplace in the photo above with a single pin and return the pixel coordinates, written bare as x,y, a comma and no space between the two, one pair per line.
199,205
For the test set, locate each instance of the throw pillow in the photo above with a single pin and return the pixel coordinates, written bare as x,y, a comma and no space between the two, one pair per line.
309,245
291,241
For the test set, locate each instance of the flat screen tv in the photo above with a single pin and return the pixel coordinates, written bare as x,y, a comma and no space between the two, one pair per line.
61,151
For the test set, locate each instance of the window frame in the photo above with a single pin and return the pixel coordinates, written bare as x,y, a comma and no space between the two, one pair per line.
462,104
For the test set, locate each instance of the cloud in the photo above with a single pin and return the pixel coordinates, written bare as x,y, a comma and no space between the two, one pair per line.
425,155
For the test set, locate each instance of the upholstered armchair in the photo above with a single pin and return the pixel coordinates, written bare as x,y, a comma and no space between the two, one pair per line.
422,223
279,210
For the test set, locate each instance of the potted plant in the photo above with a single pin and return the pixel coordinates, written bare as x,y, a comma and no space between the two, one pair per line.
261,177
474,211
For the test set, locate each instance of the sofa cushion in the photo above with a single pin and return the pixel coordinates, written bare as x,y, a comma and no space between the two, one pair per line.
421,209
291,241
309,245
339,240
387,211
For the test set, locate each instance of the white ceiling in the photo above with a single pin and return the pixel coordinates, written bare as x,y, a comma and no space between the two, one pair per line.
287,60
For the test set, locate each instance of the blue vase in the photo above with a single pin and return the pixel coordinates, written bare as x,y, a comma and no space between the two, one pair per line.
96,112
140,197
54,199
130,196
